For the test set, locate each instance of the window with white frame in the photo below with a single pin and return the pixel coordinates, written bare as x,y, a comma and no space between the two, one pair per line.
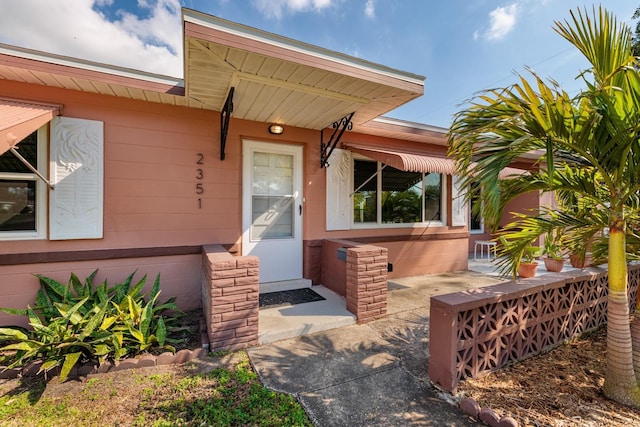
386,195
476,222
22,194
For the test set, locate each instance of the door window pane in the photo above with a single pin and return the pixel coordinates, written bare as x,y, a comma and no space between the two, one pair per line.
272,217
272,174
272,198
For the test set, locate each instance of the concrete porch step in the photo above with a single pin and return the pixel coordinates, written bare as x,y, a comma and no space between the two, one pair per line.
279,323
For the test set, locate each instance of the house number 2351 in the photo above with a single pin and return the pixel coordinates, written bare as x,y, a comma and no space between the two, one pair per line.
199,178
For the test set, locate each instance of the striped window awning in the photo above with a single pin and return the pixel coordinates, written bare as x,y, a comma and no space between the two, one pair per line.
406,161
18,119
414,162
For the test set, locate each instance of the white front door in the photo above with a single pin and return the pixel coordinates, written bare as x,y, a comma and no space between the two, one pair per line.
272,208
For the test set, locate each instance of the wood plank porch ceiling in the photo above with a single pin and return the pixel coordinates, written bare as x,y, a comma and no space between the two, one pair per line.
279,80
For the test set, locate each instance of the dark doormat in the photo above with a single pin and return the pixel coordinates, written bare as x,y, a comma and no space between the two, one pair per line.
292,297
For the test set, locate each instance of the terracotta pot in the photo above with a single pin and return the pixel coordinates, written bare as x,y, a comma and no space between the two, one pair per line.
578,262
553,265
527,270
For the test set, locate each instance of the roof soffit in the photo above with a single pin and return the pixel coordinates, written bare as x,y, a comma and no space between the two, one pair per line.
41,68
284,81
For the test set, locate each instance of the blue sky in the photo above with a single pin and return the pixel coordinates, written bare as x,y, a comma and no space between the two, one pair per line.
461,46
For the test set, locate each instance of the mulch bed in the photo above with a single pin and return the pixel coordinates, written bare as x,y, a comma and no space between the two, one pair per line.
560,388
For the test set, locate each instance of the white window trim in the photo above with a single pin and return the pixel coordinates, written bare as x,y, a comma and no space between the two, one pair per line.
42,194
379,224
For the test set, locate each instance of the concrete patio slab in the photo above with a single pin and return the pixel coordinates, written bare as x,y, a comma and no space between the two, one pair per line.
320,360
373,374
401,401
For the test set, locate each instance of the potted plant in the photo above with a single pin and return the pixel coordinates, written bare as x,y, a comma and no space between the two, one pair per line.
580,256
528,264
580,259
554,258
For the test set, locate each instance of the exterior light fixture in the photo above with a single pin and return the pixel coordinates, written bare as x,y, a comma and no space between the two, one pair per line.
276,129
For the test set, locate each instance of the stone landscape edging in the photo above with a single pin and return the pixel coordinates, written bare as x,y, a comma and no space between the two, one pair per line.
32,369
470,407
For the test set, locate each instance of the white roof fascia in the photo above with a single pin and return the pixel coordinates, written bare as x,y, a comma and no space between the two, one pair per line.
409,124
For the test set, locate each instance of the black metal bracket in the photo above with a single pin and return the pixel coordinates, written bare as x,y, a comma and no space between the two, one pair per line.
338,128
225,115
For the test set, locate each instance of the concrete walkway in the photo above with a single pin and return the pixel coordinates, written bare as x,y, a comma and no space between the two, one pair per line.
373,374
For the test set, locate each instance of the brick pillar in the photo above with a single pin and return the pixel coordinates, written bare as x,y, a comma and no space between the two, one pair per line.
367,282
443,340
230,298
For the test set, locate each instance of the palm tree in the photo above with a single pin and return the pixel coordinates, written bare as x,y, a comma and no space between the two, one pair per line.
635,47
588,152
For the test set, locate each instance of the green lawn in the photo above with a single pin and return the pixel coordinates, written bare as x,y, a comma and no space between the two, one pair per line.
193,394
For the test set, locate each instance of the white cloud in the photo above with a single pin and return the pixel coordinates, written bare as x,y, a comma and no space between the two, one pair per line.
74,28
502,21
164,15
276,8
370,9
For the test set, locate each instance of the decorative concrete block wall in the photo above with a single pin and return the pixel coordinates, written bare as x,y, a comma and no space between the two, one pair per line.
230,298
481,330
367,282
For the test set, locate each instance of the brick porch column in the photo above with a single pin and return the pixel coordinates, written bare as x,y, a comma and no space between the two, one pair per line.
367,282
230,298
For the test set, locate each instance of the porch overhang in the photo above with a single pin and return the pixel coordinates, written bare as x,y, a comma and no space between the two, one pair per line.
18,119
284,81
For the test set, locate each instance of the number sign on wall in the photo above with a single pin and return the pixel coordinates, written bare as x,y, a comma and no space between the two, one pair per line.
199,178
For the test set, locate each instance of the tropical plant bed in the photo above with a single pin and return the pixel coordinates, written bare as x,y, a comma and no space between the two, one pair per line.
562,387
220,389
86,327
187,334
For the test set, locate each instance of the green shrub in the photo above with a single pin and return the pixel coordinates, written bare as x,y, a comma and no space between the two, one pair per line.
80,322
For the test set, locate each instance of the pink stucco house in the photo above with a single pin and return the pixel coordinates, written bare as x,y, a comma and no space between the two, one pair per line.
135,171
